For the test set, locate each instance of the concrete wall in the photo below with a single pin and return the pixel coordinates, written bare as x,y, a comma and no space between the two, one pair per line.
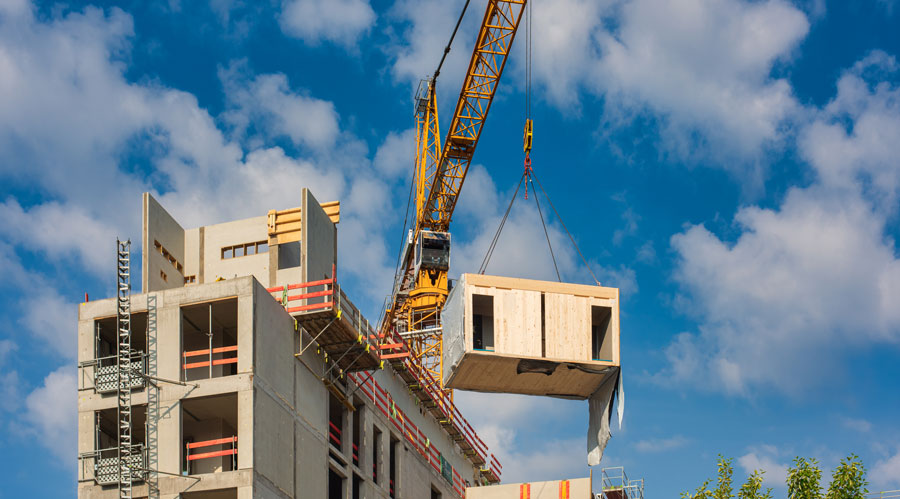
228,234
159,226
319,243
171,395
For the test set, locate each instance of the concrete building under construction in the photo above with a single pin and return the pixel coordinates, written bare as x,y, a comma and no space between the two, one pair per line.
249,373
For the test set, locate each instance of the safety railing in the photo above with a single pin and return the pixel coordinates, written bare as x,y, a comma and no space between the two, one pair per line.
334,435
385,404
451,415
326,293
615,483
210,362
105,464
106,372
226,451
335,301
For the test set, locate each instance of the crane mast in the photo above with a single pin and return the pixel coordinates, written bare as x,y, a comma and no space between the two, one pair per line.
421,285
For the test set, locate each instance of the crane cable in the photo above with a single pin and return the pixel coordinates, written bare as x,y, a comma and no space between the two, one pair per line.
493,245
452,36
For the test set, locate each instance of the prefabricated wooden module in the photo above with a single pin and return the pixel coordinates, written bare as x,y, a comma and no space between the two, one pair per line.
509,335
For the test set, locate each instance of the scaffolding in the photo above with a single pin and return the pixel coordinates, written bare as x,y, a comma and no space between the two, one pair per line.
616,485
124,386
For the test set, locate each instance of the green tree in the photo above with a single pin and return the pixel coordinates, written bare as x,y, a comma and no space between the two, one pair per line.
803,479
848,480
724,489
752,488
702,492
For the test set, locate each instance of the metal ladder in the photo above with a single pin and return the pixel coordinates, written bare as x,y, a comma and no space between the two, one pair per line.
123,320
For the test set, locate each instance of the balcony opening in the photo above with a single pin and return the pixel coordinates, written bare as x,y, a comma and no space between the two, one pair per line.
335,485
376,454
392,472
601,340
483,322
335,422
209,434
106,444
209,339
357,486
106,347
357,432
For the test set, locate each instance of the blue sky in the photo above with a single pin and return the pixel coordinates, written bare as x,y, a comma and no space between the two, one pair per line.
732,165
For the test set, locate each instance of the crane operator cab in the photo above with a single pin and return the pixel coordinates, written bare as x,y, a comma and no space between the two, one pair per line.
433,251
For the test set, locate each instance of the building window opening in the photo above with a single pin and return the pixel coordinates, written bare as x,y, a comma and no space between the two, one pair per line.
209,432
335,422
376,453
435,493
357,431
209,339
357,486
106,347
483,322
601,339
335,485
244,249
106,444
392,471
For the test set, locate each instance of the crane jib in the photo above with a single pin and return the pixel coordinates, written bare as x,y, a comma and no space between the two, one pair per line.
495,38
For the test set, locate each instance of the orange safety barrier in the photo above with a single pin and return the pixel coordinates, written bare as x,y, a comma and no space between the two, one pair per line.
384,403
335,434
328,291
209,443
210,353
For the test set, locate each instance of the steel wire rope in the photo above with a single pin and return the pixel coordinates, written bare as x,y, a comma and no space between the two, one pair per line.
547,235
566,229
493,245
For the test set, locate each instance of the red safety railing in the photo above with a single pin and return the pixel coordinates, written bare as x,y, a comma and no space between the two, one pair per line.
385,404
210,361
327,291
210,454
334,435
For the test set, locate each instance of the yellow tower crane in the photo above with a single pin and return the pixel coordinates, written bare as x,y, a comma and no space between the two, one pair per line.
421,285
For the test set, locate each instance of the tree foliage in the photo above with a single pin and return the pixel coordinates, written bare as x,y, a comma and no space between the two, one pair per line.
848,480
803,482
803,479
752,488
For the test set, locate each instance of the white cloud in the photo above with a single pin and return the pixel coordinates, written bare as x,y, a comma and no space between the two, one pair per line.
416,51
51,318
886,472
765,459
857,424
813,279
76,118
507,424
267,102
703,66
50,413
340,21
661,444
396,155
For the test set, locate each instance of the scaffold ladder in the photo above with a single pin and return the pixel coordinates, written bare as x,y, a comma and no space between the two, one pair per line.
123,320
